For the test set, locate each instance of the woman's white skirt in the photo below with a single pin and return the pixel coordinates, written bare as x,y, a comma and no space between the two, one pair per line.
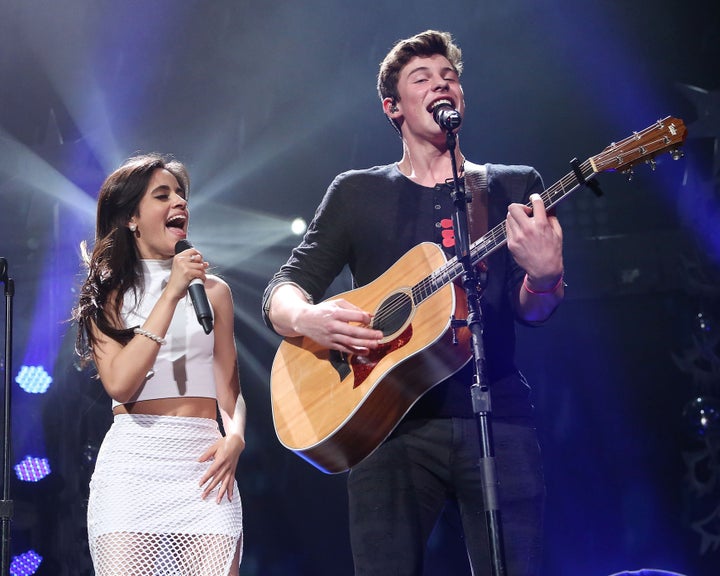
146,515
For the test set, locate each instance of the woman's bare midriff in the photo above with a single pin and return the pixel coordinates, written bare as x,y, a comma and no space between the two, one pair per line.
188,407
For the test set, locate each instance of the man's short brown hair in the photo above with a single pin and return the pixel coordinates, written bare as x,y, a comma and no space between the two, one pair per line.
426,43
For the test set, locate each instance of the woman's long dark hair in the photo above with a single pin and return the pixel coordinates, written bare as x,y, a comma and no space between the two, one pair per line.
113,266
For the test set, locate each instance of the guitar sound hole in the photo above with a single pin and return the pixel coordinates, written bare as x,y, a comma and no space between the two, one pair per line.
393,313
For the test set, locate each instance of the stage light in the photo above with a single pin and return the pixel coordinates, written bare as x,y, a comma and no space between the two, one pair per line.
32,469
298,226
25,564
33,379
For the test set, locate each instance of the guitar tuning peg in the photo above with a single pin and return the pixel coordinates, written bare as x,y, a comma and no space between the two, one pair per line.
676,153
651,163
629,174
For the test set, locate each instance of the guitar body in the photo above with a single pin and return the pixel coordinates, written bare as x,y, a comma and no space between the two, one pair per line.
333,409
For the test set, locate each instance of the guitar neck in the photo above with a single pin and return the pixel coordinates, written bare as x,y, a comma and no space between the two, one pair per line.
497,237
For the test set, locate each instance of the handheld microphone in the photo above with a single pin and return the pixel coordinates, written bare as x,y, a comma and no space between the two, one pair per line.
197,294
446,116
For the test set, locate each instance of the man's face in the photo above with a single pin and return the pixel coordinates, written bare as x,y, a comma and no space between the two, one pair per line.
422,83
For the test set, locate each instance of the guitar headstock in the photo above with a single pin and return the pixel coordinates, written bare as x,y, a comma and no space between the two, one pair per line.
667,134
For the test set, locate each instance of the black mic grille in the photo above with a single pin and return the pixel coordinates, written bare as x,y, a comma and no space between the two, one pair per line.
447,117
182,245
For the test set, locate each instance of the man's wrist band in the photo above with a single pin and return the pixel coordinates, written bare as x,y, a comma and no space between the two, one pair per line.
542,292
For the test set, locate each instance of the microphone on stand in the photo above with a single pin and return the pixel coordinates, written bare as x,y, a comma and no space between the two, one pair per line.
446,116
197,294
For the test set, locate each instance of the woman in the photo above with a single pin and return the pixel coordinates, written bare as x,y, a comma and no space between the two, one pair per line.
163,496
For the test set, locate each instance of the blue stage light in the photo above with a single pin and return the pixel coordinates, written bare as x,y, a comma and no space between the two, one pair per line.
25,564
33,379
32,469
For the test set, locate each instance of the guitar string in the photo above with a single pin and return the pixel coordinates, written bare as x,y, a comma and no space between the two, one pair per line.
497,236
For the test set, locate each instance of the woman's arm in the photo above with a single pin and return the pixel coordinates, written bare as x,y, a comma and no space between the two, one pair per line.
231,404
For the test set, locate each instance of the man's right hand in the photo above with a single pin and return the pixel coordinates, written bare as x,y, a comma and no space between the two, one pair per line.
335,324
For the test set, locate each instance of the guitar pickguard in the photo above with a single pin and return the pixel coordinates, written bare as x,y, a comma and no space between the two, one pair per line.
363,365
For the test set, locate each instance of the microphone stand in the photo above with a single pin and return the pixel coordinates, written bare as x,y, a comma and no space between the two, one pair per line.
480,392
6,505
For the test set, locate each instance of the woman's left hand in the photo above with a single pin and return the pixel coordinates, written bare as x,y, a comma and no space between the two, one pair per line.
225,454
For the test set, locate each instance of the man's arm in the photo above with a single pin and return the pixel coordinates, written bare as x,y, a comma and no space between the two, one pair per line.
335,324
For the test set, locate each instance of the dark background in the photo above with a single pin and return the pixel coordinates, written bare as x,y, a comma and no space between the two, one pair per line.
266,102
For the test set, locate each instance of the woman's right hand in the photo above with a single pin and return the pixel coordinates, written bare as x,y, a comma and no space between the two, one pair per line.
186,267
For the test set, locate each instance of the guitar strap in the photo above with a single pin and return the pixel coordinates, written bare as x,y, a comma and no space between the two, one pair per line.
477,188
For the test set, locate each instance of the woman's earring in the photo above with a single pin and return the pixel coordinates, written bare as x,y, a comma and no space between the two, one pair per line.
133,227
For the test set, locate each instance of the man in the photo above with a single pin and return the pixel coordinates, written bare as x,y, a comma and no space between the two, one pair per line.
367,220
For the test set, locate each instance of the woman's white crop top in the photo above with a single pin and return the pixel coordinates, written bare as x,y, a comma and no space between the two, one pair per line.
184,364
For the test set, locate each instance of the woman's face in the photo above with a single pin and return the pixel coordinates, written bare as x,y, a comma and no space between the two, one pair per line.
162,217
